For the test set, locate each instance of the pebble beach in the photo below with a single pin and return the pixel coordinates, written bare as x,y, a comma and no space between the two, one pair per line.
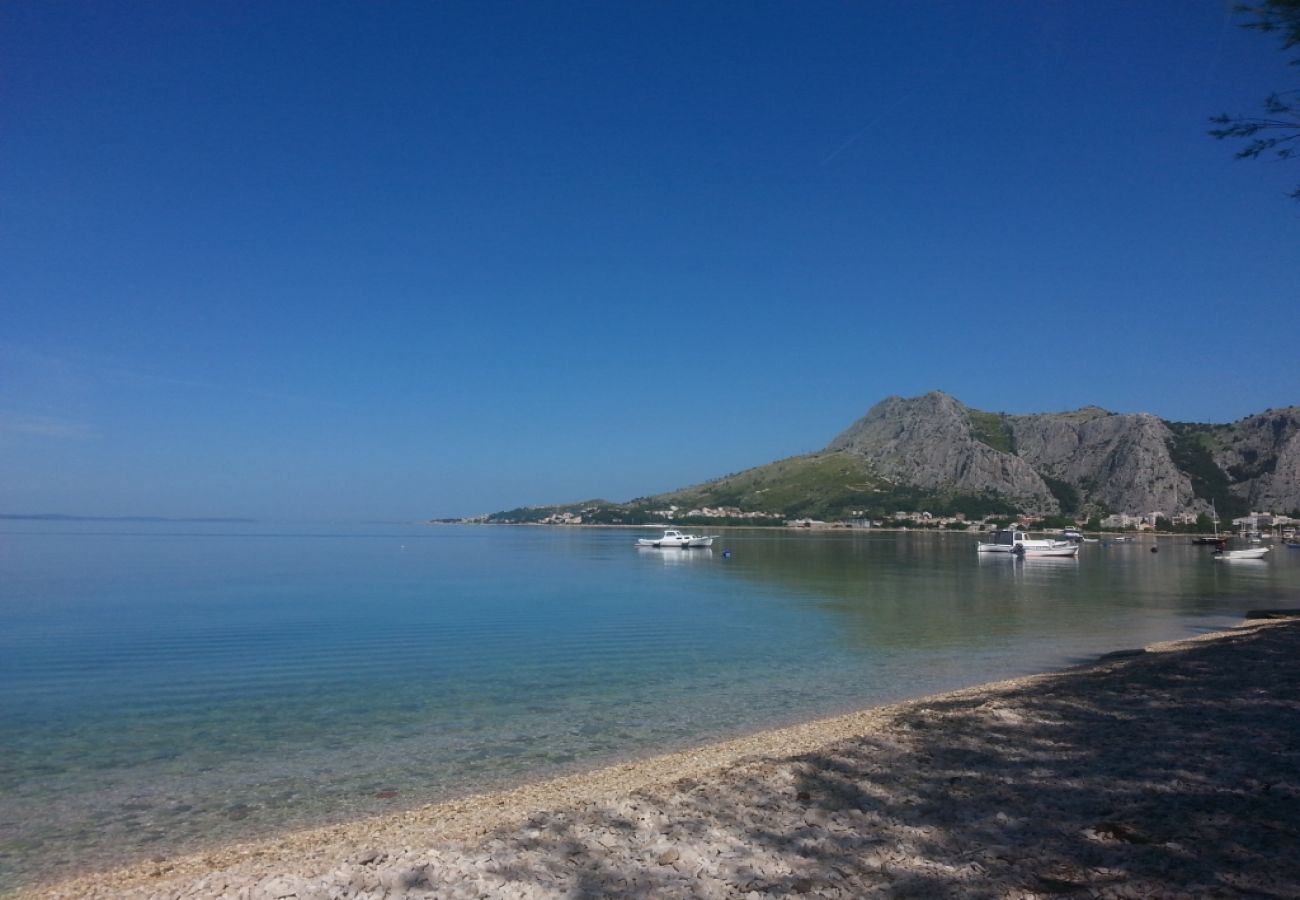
1167,771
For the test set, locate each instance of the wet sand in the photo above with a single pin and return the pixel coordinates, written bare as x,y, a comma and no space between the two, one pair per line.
1170,772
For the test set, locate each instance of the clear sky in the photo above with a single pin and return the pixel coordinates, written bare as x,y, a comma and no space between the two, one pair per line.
399,260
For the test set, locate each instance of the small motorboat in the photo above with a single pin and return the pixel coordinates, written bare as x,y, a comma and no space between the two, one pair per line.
1054,548
1019,543
1251,553
673,538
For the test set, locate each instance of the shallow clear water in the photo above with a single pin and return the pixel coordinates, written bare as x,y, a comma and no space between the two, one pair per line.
167,687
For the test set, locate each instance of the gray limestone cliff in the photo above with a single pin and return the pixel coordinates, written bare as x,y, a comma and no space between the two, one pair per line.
931,442
1261,456
1091,458
1119,462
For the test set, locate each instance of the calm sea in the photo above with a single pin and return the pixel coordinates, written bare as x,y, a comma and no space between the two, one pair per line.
166,687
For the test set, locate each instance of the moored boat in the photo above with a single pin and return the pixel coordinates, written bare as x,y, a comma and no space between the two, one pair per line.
1019,543
1218,540
673,538
1054,548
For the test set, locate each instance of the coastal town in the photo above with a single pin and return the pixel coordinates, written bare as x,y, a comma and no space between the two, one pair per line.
1256,524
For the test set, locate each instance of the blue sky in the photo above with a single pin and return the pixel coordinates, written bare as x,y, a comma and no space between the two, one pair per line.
395,261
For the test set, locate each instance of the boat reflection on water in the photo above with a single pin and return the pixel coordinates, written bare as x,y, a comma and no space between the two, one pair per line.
1067,562
1040,571
1019,560
1253,554
676,556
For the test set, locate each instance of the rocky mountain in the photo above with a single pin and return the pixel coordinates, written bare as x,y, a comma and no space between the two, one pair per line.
934,442
937,454
1086,459
1257,458
1115,462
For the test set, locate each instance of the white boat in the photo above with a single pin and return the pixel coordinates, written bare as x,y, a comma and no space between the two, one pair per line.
1052,548
1252,553
1021,544
674,538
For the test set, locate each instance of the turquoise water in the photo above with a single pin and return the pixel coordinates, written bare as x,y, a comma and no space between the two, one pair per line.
168,687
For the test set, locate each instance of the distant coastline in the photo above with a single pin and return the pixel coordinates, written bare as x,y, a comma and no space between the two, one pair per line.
817,528
61,517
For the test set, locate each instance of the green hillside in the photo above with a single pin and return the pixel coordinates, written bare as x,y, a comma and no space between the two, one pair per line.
815,486
825,486
1192,450
828,486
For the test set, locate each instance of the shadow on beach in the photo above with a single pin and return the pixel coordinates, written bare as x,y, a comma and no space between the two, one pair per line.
1165,773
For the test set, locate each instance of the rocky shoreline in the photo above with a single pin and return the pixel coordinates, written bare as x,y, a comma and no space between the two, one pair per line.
1170,772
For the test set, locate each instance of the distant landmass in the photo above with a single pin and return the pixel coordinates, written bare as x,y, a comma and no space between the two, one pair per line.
60,517
935,454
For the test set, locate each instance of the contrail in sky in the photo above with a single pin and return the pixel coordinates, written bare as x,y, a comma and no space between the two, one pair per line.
865,128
